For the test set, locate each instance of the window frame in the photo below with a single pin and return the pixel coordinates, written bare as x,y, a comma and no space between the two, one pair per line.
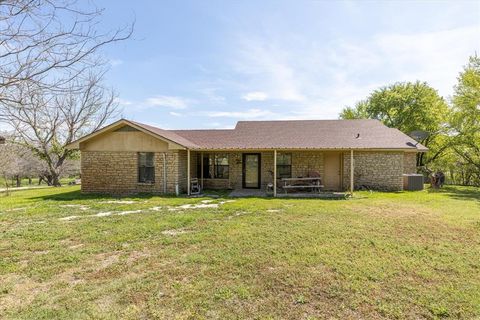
146,169
289,166
206,165
216,166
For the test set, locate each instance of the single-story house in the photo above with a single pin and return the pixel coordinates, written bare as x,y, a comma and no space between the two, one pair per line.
131,157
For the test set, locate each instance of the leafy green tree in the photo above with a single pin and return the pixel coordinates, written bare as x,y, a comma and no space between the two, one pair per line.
466,115
357,112
408,107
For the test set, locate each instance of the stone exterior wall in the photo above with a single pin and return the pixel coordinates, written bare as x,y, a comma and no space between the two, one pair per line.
109,172
172,158
374,170
182,170
305,162
410,162
117,172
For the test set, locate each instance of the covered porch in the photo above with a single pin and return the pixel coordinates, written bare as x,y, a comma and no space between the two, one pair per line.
298,173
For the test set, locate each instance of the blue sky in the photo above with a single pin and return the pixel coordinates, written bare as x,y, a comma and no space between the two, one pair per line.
207,64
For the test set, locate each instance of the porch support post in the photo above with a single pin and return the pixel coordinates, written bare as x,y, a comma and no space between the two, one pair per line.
275,173
188,171
201,168
351,172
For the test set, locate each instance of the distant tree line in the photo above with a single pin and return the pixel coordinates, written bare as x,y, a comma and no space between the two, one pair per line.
18,162
452,125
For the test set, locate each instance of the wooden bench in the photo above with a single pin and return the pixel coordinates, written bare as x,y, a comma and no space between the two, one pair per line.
315,183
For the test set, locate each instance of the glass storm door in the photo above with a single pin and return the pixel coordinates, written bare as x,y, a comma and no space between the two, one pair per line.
251,170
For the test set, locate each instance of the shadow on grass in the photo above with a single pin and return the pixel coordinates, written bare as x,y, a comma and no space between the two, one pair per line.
78,195
458,192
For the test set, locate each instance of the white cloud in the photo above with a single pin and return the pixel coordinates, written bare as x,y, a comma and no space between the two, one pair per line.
255,96
436,57
115,62
168,102
123,102
318,80
248,114
175,114
211,95
268,64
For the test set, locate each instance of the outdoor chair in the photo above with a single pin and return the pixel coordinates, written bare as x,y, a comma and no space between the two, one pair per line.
195,187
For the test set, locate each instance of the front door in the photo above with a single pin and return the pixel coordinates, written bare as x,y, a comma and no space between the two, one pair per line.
251,170
332,168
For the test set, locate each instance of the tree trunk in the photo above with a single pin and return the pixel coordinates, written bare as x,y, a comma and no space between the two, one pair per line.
7,187
52,179
19,182
56,180
48,180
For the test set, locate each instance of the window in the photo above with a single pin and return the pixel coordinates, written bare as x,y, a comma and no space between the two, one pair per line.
206,166
215,166
146,168
221,166
284,165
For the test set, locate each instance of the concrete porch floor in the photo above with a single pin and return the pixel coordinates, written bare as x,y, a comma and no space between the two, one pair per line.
248,193
238,193
321,195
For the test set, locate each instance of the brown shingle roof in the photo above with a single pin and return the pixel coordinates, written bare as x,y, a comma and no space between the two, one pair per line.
301,134
168,134
290,134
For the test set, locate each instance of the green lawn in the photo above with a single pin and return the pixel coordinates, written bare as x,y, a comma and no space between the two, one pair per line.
380,255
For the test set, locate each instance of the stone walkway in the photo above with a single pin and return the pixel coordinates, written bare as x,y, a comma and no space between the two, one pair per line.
23,188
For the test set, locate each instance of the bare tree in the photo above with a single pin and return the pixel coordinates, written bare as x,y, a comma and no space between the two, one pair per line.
14,161
48,43
18,162
5,166
51,73
46,122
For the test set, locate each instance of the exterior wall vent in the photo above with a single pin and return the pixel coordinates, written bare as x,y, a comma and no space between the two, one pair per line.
126,129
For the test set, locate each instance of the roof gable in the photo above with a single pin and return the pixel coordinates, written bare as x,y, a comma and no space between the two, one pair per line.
174,141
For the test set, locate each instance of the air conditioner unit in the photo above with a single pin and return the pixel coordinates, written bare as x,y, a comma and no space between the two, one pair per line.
412,182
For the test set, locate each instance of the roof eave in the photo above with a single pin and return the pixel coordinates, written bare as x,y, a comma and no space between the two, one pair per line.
210,148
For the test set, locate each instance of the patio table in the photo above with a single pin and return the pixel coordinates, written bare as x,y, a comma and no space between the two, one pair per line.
314,183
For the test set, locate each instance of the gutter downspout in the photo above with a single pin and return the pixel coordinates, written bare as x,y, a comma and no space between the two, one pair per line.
351,172
275,173
164,173
188,171
201,167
